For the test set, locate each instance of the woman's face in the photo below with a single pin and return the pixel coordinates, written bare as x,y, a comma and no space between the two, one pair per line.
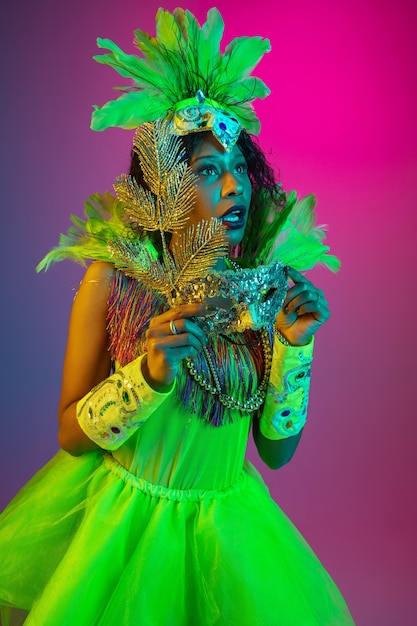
224,189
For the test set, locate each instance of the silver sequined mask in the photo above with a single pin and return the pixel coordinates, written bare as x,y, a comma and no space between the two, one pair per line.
246,299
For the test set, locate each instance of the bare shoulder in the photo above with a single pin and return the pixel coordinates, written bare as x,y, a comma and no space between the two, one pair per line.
100,271
96,283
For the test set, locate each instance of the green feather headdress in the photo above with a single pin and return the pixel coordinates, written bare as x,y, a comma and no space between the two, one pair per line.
183,81
182,69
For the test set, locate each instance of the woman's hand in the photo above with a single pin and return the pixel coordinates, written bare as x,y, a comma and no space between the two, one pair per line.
170,338
304,310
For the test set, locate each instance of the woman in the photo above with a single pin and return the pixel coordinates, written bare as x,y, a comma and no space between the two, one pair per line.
154,516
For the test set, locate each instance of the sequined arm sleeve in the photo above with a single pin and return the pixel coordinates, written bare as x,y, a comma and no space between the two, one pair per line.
111,412
285,408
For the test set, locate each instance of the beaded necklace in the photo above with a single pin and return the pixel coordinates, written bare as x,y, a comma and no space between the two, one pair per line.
242,399
250,404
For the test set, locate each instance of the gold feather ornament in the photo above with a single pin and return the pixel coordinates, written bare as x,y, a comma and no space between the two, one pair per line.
184,273
163,205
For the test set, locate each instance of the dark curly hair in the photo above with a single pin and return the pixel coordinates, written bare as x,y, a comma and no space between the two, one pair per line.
265,188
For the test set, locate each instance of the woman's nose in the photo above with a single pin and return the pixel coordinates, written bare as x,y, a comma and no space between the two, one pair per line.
231,185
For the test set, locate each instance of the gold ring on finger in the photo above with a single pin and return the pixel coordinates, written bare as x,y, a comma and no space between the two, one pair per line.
173,328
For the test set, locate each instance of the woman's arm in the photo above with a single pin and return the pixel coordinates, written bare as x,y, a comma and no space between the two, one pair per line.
112,408
87,359
274,454
278,432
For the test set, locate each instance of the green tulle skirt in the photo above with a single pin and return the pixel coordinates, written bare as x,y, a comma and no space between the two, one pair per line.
88,543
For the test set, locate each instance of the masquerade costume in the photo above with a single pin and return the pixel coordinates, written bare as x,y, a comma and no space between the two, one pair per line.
166,523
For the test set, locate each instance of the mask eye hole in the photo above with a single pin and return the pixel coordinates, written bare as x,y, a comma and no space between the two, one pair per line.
267,294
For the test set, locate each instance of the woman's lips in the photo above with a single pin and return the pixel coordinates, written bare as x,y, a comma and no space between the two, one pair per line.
234,218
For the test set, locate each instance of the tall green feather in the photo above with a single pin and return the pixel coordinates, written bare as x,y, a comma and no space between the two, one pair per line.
183,58
289,232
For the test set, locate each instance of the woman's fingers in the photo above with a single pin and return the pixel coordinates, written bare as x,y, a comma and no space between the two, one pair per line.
165,352
184,326
179,321
170,338
179,332
304,310
318,310
301,293
296,277
307,300
161,338
183,311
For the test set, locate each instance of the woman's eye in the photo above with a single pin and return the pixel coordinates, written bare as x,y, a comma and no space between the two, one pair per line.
208,170
242,168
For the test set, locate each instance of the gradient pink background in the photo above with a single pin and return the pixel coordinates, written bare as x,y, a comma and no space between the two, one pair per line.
341,123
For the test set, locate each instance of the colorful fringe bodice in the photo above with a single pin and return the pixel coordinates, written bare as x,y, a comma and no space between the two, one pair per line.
238,359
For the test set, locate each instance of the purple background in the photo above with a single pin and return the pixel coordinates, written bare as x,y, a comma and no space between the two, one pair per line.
340,123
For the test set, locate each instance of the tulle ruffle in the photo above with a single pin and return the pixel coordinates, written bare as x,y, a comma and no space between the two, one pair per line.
88,543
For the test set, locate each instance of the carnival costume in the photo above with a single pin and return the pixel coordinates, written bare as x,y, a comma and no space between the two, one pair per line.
166,523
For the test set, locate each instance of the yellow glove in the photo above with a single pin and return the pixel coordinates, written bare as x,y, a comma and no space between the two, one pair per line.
285,408
111,412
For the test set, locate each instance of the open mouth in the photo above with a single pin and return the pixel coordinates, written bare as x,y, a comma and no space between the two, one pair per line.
234,217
